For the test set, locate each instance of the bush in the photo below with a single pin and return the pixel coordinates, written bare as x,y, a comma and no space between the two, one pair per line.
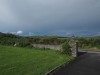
66,48
25,44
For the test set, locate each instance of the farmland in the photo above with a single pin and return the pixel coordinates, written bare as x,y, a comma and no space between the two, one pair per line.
24,59
29,61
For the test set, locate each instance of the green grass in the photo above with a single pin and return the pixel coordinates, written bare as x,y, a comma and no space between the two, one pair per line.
95,48
29,61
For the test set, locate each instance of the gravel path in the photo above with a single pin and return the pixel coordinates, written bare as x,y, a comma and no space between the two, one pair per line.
87,64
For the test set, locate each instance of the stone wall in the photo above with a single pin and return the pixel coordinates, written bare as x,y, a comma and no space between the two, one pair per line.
54,47
73,46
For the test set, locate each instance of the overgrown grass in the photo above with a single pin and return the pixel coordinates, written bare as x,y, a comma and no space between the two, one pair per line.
29,61
95,48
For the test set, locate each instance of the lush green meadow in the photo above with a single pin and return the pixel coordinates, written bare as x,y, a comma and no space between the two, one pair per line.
29,61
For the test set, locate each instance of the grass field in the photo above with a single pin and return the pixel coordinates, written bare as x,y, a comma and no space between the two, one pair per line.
29,61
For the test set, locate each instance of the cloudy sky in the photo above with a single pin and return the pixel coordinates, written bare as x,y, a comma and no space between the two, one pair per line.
50,17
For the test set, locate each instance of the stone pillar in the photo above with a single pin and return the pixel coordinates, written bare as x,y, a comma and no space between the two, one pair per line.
74,48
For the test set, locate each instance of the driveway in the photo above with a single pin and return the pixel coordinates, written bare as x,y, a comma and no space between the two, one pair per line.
86,64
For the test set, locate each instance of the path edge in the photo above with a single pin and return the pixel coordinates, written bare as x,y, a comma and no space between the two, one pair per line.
60,66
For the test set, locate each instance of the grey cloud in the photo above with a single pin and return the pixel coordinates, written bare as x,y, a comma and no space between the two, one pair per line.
49,15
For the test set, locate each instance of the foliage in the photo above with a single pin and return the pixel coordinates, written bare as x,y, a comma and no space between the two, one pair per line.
44,40
66,48
24,44
11,39
88,42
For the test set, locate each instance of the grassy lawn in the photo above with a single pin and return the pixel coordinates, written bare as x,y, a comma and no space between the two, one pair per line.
29,61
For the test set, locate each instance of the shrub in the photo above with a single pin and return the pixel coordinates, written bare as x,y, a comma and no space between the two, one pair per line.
25,44
66,48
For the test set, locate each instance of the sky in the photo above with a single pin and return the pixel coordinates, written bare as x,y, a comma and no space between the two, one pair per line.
50,17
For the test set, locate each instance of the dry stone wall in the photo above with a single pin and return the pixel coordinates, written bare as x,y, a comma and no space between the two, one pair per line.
54,47
73,46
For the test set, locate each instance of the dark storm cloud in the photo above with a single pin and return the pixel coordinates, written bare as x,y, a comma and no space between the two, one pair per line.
48,16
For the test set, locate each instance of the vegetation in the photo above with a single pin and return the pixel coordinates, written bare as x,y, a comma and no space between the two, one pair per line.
29,61
35,61
10,39
84,42
89,42
66,48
